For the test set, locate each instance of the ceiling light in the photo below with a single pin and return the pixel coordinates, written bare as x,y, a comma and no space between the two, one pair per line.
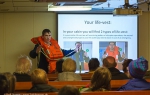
69,8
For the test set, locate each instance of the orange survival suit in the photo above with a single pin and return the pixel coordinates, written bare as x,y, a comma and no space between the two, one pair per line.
52,52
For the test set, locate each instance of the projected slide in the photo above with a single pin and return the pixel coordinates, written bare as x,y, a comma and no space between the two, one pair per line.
103,33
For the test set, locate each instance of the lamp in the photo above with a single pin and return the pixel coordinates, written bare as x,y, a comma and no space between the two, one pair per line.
69,8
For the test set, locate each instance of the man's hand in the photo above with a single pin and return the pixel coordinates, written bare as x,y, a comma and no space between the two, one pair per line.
38,49
104,55
77,49
85,54
123,55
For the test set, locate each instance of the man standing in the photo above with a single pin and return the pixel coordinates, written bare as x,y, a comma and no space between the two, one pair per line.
113,50
80,56
48,51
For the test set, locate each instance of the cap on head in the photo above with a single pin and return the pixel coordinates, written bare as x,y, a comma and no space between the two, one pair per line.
138,67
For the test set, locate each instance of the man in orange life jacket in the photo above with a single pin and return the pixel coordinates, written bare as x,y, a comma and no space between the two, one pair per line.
48,51
113,50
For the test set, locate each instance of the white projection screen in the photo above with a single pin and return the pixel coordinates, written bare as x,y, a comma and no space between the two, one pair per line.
96,32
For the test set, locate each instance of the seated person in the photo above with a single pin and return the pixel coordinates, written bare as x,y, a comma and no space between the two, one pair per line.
137,70
125,65
4,85
23,68
100,80
40,82
69,90
11,81
59,65
110,63
93,64
68,74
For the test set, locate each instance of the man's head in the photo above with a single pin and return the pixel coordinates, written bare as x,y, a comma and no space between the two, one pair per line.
4,86
39,76
78,45
59,65
125,65
109,62
11,81
93,64
138,68
112,45
24,64
101,79
46,35
69,90
69,65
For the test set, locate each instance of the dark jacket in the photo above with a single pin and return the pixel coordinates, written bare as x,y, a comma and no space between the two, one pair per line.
116,74
22,77
42,88
43,63
136,84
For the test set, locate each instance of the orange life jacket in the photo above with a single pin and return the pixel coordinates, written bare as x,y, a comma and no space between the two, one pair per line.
112,53
52,52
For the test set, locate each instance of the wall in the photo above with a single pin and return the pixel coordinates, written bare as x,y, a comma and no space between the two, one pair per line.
144,36
16,30
15,33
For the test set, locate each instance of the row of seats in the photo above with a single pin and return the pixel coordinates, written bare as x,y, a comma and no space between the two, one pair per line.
96,93
84,76
24,86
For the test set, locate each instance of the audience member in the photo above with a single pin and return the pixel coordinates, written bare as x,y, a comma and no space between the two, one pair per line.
100,80
137,70
23,68
4,86
68,74
40,82
110,63
93,64
59,65
11,81
69,90
125,65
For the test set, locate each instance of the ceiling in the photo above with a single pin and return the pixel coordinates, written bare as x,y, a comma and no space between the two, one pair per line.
42,5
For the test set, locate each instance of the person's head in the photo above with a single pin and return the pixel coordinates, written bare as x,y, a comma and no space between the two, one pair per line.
109,62
4,86
24,65
101,79
125,65
46,35
112,45
78,45
69,65
59,65
11,81
39,76
69,90
93,64
138,67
